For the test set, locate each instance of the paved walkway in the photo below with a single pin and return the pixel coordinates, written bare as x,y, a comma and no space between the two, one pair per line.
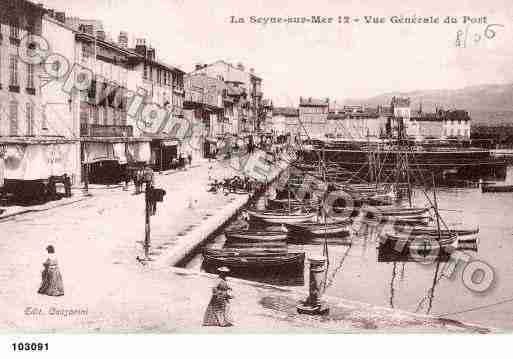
97,240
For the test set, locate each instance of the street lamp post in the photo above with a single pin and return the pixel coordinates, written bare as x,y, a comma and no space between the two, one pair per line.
148,178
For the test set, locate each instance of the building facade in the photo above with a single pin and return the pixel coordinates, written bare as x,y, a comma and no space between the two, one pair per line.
34,145
313,117
205,98
285,120
250,109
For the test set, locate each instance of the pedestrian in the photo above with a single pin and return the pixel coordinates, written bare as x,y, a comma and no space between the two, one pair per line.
189,158
218,310
51,279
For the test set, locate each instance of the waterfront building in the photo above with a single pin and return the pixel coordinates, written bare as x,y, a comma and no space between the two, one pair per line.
457,124
35,146
110,138
356,123
441,125
285,120
399,125
267,117
313,117
162,87
204,108
250,110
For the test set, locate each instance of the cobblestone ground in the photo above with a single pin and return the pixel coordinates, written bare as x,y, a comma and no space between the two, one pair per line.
97,241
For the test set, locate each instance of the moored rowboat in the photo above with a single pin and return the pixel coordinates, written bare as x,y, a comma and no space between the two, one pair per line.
315,229
255,236
239,260
282,217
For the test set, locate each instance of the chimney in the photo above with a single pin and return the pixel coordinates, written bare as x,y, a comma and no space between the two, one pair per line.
240,66
140,47
100,34
123,39
60,16
252,70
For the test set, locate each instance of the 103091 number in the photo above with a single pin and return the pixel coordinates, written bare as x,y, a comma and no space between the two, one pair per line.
29,347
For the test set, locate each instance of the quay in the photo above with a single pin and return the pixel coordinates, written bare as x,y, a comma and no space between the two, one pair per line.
110,291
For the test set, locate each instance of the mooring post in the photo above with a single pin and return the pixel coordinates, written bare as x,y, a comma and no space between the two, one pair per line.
314,305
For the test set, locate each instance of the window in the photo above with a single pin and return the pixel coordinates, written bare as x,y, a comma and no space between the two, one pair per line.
13,118
30,76
105,115
15,31
96,115
13,68
87,52
30,119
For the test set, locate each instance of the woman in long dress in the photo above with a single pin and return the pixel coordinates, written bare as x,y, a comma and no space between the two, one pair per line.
51,279
218,310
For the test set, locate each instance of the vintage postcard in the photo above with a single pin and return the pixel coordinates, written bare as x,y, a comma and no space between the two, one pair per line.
171,166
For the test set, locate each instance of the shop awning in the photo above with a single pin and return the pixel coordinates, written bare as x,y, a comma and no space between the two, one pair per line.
139,152
29,162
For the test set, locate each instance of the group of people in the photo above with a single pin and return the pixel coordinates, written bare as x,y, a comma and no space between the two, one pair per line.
216,314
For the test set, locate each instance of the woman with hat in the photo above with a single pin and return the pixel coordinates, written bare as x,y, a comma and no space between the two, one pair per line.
51,283
218,310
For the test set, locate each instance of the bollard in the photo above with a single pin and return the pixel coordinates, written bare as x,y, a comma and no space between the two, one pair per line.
313,305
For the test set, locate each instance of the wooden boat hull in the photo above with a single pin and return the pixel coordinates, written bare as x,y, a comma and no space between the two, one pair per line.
279,218
251,262
495,188
255,236
419,244
315,229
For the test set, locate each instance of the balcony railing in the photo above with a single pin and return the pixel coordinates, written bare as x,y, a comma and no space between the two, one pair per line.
90,130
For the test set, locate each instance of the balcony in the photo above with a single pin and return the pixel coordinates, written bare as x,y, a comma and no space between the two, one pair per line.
90,130
14,88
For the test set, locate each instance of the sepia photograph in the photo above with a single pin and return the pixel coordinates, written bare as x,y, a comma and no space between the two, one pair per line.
255,167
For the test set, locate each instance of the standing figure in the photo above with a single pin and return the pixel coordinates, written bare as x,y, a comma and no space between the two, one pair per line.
218,310
51,279
189,157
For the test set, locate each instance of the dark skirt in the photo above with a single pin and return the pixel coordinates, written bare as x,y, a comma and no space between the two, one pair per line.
51,281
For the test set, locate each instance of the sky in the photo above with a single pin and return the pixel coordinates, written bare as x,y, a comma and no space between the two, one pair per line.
338,61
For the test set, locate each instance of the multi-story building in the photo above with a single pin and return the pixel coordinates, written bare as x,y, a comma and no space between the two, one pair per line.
457,124
204,102
356,123
313,117
34,146
250,107
285,120
398,125
451,124
162,86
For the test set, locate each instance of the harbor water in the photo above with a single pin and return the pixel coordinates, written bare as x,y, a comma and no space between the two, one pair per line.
355,273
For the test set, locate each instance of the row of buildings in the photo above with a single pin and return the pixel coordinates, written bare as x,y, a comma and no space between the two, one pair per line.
73,101
317,118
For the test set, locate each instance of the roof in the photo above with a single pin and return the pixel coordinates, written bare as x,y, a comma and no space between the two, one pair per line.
234,90
313,102
204,82
229,65
286,111
400,101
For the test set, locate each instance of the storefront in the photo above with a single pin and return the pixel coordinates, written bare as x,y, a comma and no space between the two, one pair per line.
164,154
106,160
27,165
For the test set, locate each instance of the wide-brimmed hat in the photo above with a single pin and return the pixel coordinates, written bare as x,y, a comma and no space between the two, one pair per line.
223,270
